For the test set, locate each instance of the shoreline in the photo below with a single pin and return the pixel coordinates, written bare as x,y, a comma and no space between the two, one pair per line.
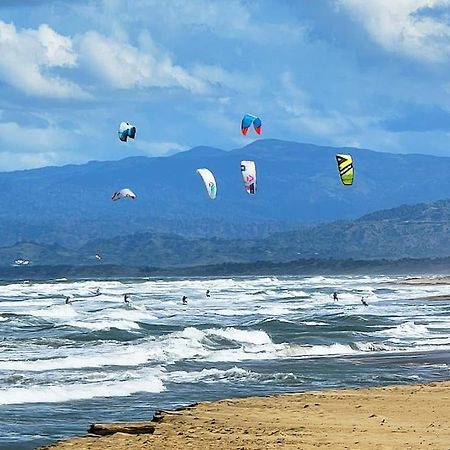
398,416
422,269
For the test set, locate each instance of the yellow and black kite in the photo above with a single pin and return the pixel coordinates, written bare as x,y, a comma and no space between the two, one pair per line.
345,166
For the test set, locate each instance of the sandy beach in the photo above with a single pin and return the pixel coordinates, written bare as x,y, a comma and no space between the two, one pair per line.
394,417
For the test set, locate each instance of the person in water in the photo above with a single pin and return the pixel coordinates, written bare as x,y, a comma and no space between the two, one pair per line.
184,300
126,299
208,294
67,300
335,296
364,302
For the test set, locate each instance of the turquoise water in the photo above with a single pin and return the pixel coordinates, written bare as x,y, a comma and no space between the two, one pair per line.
63,366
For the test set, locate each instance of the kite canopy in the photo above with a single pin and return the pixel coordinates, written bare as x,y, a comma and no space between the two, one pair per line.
123,193
247,121
248,171
345,166
209,182
126,131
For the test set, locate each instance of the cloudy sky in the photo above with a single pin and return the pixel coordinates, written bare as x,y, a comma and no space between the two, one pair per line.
365,73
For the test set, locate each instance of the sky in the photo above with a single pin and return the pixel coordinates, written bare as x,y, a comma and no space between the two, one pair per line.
365,73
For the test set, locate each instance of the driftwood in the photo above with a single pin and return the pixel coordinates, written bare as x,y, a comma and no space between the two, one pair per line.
105,429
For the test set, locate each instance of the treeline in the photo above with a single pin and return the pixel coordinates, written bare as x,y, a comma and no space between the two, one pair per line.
406,266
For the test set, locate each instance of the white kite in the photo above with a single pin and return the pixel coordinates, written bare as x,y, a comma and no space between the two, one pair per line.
209,181
123,193
248,171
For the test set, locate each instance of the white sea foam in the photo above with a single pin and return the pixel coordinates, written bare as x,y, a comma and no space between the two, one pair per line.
105,325
79,391
256,337
314,323
317,350
406,330
217,331
55,312
376,347
232,312
128,357
217,375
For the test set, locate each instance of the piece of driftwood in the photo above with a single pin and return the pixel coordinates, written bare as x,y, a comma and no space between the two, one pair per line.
105,429
160,413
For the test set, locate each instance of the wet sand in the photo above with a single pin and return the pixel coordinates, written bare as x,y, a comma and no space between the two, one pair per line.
394,417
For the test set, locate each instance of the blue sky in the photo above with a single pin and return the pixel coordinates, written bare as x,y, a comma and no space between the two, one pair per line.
365,73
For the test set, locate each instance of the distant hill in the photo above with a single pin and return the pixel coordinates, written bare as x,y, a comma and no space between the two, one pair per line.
409,231
298,184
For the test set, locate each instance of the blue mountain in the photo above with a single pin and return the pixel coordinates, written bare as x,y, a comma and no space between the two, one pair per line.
298,185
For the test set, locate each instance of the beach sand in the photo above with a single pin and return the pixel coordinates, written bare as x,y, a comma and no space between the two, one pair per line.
394,417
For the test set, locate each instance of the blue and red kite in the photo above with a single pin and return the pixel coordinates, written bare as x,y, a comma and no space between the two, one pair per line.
247,122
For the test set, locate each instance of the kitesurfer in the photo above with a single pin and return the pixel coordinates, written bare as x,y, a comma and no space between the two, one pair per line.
207,293
184,300
364,302
126,299
67,300
335,296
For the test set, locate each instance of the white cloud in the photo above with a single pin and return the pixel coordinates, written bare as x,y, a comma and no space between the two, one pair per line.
27,57
159,148
327,125
302,116
16,161
217,76
231,19
13,136
238,20
125,66
397,26
24,147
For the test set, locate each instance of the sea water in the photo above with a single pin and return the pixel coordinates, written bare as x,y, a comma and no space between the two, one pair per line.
98,359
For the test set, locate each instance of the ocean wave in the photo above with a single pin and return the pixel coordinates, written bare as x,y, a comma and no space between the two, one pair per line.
269,321
314,323
79,391
54,312
129,357
406,330
233,374
256,337
100,325
375,347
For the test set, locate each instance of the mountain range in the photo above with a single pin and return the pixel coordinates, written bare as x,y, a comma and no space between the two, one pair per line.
408,231
70,207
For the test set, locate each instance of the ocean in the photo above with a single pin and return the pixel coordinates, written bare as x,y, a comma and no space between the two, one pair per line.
98,359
